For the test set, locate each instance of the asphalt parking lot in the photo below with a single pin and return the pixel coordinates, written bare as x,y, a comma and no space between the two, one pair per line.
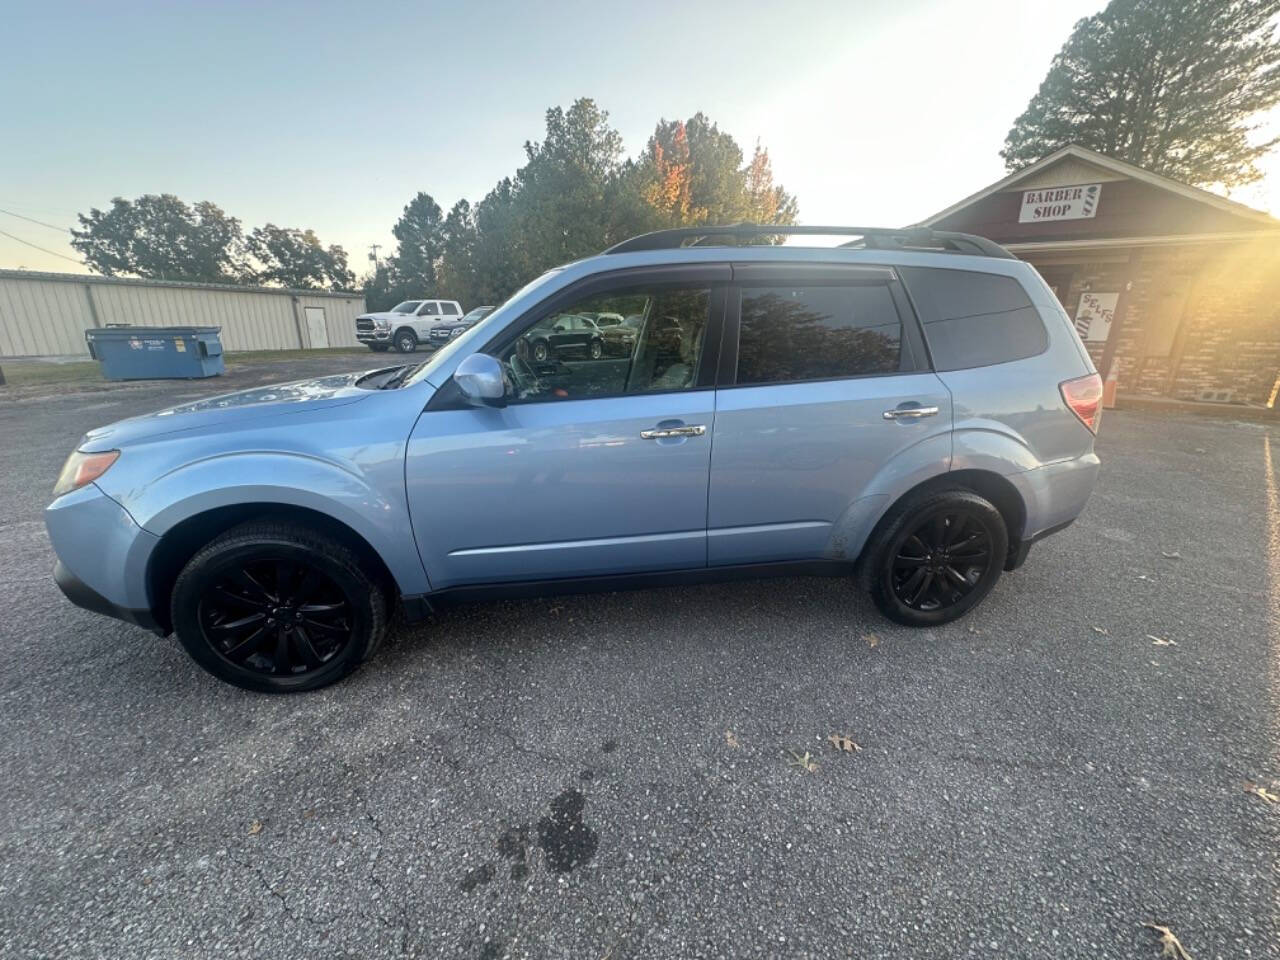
615,776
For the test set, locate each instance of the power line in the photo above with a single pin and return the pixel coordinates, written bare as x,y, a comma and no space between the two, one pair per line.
34,220
52,253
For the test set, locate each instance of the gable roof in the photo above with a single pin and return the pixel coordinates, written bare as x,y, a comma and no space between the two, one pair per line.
1117,168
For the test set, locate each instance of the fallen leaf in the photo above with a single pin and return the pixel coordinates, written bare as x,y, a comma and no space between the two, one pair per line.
1161,641
1101,630
309,815
842,741
731,739
872,640
1262,792
1170,946
255,828
804,761
1175,555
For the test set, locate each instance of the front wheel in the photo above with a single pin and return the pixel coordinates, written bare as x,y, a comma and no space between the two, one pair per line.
935,557
277,608
406,341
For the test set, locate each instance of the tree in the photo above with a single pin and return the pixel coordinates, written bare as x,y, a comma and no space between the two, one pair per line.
296,259
1169,85
158,237
574,196
418,232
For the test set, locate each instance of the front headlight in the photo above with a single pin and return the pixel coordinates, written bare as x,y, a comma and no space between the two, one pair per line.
83,468
382,324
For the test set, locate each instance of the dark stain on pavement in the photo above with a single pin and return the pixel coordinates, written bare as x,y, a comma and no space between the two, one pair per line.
609,746
477,876
563,837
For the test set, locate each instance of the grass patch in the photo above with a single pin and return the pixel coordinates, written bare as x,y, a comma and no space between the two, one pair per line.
22,373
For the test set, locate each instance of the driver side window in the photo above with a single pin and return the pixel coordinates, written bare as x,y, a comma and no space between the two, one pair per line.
657,347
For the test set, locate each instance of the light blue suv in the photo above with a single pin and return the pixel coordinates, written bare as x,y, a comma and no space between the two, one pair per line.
911,410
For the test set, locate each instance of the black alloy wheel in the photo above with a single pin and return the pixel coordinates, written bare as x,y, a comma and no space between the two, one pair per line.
276,616
278,608
937,556
941,561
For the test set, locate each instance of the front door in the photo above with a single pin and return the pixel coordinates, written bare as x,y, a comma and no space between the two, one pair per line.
825,395
594,466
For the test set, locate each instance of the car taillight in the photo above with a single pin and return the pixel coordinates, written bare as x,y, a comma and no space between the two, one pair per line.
1084,396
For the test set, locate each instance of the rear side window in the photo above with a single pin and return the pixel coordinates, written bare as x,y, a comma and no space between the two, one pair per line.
449,309
974,319
817,333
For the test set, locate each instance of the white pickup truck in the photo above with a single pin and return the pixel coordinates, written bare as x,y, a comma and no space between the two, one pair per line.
405,325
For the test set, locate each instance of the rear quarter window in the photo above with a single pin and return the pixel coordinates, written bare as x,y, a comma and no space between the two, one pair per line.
974,319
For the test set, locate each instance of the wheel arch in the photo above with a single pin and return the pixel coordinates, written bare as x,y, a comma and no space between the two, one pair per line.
997,489
184,539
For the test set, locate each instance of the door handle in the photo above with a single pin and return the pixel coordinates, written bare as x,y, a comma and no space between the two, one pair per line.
910,413
662,433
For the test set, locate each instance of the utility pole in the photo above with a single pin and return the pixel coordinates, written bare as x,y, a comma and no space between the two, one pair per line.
373,255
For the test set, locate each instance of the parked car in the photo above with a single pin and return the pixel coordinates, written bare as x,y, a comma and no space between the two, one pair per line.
565,335
405,325
620,338
910,413
446,330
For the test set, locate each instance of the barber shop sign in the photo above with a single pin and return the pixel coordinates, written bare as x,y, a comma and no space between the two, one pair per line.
1060,203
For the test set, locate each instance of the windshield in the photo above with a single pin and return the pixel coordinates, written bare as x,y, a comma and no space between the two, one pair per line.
479,313
407,307
477,335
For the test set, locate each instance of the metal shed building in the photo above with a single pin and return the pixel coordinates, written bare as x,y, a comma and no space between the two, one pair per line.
46,314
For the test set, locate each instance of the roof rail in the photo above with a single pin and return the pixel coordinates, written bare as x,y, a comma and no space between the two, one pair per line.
871,238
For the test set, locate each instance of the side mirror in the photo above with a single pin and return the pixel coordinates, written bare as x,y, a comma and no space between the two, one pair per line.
480,380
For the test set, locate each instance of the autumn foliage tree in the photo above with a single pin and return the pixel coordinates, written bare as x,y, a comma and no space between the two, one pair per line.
576,194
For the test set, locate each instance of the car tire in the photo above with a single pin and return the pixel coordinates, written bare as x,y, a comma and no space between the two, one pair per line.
935,556
541,351
278,608
406,340
596,350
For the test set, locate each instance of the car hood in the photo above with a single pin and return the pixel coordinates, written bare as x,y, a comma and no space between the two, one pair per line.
385,315
228,410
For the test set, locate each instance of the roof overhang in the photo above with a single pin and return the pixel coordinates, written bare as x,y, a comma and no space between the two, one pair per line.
1117,167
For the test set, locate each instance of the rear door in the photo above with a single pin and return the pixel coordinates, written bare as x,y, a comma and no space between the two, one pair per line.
823,383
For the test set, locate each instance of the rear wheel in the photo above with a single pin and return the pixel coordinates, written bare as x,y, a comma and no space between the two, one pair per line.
936,557
540,351
277,608
597,349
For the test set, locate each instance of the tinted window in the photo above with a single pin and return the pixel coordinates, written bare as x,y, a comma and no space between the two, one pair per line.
974,319
661,351
449,309
429,309
817,333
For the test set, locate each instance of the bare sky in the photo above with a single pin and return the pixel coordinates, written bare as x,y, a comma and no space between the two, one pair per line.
332,115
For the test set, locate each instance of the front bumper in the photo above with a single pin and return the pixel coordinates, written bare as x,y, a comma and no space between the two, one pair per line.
102,556
83,595
373,336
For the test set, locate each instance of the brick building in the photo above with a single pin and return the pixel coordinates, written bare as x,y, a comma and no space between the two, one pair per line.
1174,289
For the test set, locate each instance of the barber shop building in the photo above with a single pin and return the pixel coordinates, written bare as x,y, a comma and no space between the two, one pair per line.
1175,291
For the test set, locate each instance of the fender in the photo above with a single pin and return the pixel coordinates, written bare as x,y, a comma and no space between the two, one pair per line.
929,458
368,497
